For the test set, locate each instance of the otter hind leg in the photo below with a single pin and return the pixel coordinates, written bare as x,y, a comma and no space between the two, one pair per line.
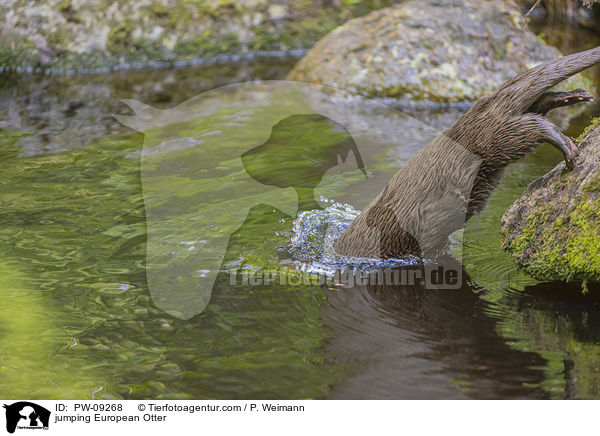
553,100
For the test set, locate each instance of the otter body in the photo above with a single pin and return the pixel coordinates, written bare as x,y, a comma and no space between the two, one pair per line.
451,179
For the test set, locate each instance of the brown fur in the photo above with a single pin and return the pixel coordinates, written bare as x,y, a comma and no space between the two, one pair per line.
451,179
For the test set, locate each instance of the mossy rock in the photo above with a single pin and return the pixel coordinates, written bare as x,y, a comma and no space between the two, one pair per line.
435,50
553,230
67,34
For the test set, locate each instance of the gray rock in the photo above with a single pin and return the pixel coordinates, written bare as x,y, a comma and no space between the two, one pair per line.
437,50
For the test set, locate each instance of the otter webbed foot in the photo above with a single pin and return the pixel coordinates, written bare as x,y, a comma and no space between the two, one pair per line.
553,100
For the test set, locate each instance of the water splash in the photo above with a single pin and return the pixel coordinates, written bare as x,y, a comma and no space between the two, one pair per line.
314,234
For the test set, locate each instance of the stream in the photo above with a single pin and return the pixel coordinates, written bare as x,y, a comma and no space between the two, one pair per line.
87,204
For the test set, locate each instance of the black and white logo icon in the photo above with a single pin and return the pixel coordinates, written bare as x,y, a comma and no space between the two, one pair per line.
26,415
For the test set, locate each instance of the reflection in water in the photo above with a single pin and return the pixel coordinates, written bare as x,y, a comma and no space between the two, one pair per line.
564,326
70,112
414,342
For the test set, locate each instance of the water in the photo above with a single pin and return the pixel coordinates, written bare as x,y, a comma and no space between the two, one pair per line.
78,310
314,233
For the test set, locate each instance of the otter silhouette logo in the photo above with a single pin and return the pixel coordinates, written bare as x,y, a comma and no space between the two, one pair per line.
26,415
209,162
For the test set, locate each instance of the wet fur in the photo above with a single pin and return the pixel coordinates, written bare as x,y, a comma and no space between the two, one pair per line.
451,179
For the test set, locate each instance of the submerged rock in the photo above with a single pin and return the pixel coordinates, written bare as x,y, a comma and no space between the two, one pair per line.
437,50
553,229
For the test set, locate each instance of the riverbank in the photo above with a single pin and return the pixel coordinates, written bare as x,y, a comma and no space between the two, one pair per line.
74,35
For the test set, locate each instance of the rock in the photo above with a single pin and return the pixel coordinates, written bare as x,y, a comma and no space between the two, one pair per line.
73,34
553,230
437,50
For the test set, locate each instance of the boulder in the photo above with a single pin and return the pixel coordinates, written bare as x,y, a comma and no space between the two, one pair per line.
436,50
553,230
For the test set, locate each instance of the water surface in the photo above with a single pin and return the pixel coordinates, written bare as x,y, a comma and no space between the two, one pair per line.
78,312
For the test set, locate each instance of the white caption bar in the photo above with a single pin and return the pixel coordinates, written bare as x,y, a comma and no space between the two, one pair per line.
24,417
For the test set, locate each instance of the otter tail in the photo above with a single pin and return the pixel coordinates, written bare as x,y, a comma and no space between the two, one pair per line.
522,91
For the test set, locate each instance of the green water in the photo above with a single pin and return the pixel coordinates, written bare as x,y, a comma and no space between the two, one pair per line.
83,212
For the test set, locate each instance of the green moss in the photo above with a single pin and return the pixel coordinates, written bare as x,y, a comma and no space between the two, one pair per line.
120,38
159,10
564,248
560,241
592,186
58,40
542,37
305,25
206,44
595,123
583,251
150,49
17,50
63,5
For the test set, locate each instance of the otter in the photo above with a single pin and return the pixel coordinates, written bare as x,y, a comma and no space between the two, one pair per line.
451,179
